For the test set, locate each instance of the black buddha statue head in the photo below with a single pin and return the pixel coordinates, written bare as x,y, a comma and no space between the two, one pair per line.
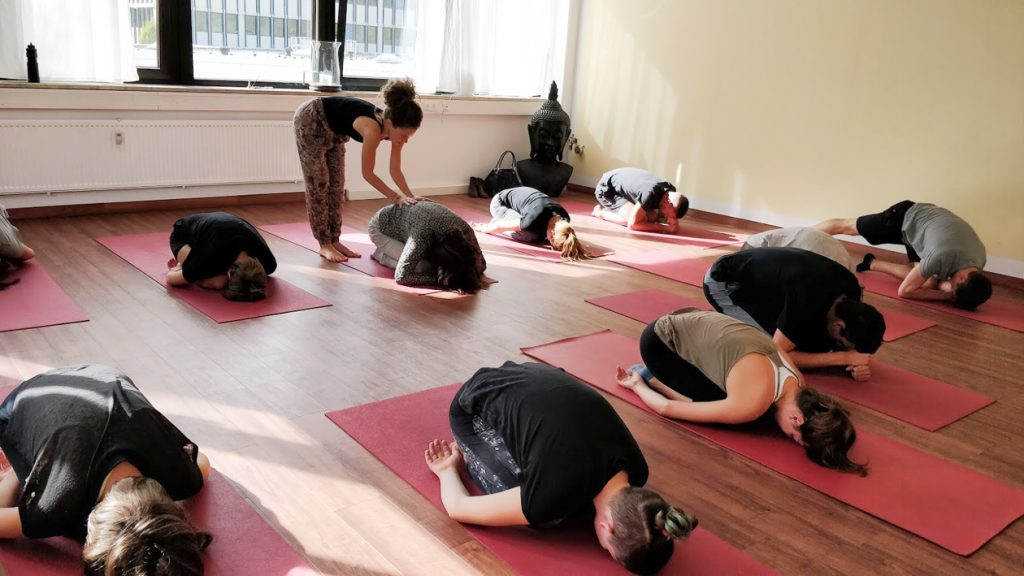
549,129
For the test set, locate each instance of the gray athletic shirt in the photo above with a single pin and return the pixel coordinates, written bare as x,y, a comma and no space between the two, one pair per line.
808,239
10,241
713,342
943,240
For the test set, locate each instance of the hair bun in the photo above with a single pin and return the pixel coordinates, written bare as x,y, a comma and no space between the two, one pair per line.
398,91
674,523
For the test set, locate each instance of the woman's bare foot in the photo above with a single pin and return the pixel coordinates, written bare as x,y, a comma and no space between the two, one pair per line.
331,255
596,212
344,250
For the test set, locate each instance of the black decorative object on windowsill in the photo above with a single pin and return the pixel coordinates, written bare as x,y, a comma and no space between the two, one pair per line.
549,131
33,64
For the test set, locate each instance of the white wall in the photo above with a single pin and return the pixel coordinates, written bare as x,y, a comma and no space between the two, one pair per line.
459,138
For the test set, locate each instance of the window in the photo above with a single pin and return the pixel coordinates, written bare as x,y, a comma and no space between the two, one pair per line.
233,42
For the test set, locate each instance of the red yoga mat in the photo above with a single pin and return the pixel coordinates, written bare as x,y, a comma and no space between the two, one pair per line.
243,543
149,254
299,233
536,250
36,301
688,234
952,506
412,421
997,312
691,271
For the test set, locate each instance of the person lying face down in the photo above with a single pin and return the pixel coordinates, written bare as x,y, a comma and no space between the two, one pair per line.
220,251
92,460
706,367
428,245
639,200
946,255
810,305
531,216
543,446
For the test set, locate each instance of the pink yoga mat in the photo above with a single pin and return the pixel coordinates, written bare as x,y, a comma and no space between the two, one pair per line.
686,270
691,271
299,233
243,543
149,253
688,234
413,420
952,506
996,311
536,250
36,301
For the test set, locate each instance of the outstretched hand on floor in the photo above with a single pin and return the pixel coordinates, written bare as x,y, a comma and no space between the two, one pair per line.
627,378
441,456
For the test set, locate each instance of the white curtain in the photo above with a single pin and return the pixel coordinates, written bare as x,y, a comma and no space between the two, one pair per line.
76,40
491,47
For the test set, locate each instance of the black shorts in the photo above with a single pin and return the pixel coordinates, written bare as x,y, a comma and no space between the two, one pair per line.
887,227
608,197
178,238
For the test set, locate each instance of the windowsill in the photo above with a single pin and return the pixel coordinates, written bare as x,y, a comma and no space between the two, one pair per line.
18,95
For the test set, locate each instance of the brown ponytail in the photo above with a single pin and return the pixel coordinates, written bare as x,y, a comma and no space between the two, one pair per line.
827,432
565,240
645,529
401,106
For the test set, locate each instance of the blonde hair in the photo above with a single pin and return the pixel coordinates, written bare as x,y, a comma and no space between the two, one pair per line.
137,530
565,240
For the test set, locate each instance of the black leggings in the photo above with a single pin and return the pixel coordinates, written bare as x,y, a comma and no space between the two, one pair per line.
487,457
673,371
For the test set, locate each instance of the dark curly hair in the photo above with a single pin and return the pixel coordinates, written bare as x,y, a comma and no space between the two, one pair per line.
864,325
401,106
455,259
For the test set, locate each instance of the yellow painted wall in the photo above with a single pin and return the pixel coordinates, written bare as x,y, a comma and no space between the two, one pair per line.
810,109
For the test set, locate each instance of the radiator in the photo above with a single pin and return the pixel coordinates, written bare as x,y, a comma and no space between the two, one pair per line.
59,156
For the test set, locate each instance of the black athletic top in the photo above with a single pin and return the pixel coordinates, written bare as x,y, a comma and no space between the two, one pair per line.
564,435
535,207
65,430
342,111
216,239
788,289
635,185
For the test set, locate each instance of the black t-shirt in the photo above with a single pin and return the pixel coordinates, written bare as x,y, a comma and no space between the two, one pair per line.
342,111
535,207
634,185
216,239
788,289
566,438
68,428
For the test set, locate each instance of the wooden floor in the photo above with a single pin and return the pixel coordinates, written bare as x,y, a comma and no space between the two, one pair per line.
253,393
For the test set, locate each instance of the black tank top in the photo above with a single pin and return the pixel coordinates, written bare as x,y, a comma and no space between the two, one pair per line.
342,111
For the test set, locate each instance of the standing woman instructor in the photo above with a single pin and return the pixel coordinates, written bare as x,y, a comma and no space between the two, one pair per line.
323,125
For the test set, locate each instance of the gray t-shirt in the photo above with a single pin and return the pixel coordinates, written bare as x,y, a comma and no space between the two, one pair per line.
943,240
808,239
10,240
713,342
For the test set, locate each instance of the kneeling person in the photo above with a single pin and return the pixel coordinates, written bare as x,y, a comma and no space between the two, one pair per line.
220,251
810,239
706,367
531,216
639,200
810,305
946,254
91,459
544,447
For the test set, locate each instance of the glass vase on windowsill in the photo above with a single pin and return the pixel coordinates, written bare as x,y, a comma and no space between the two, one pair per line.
325,75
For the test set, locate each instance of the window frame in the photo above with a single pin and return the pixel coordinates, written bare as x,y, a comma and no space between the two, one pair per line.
174,48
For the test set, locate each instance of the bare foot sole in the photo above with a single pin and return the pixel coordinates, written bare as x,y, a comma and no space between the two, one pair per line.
341,248
332,255
596,212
